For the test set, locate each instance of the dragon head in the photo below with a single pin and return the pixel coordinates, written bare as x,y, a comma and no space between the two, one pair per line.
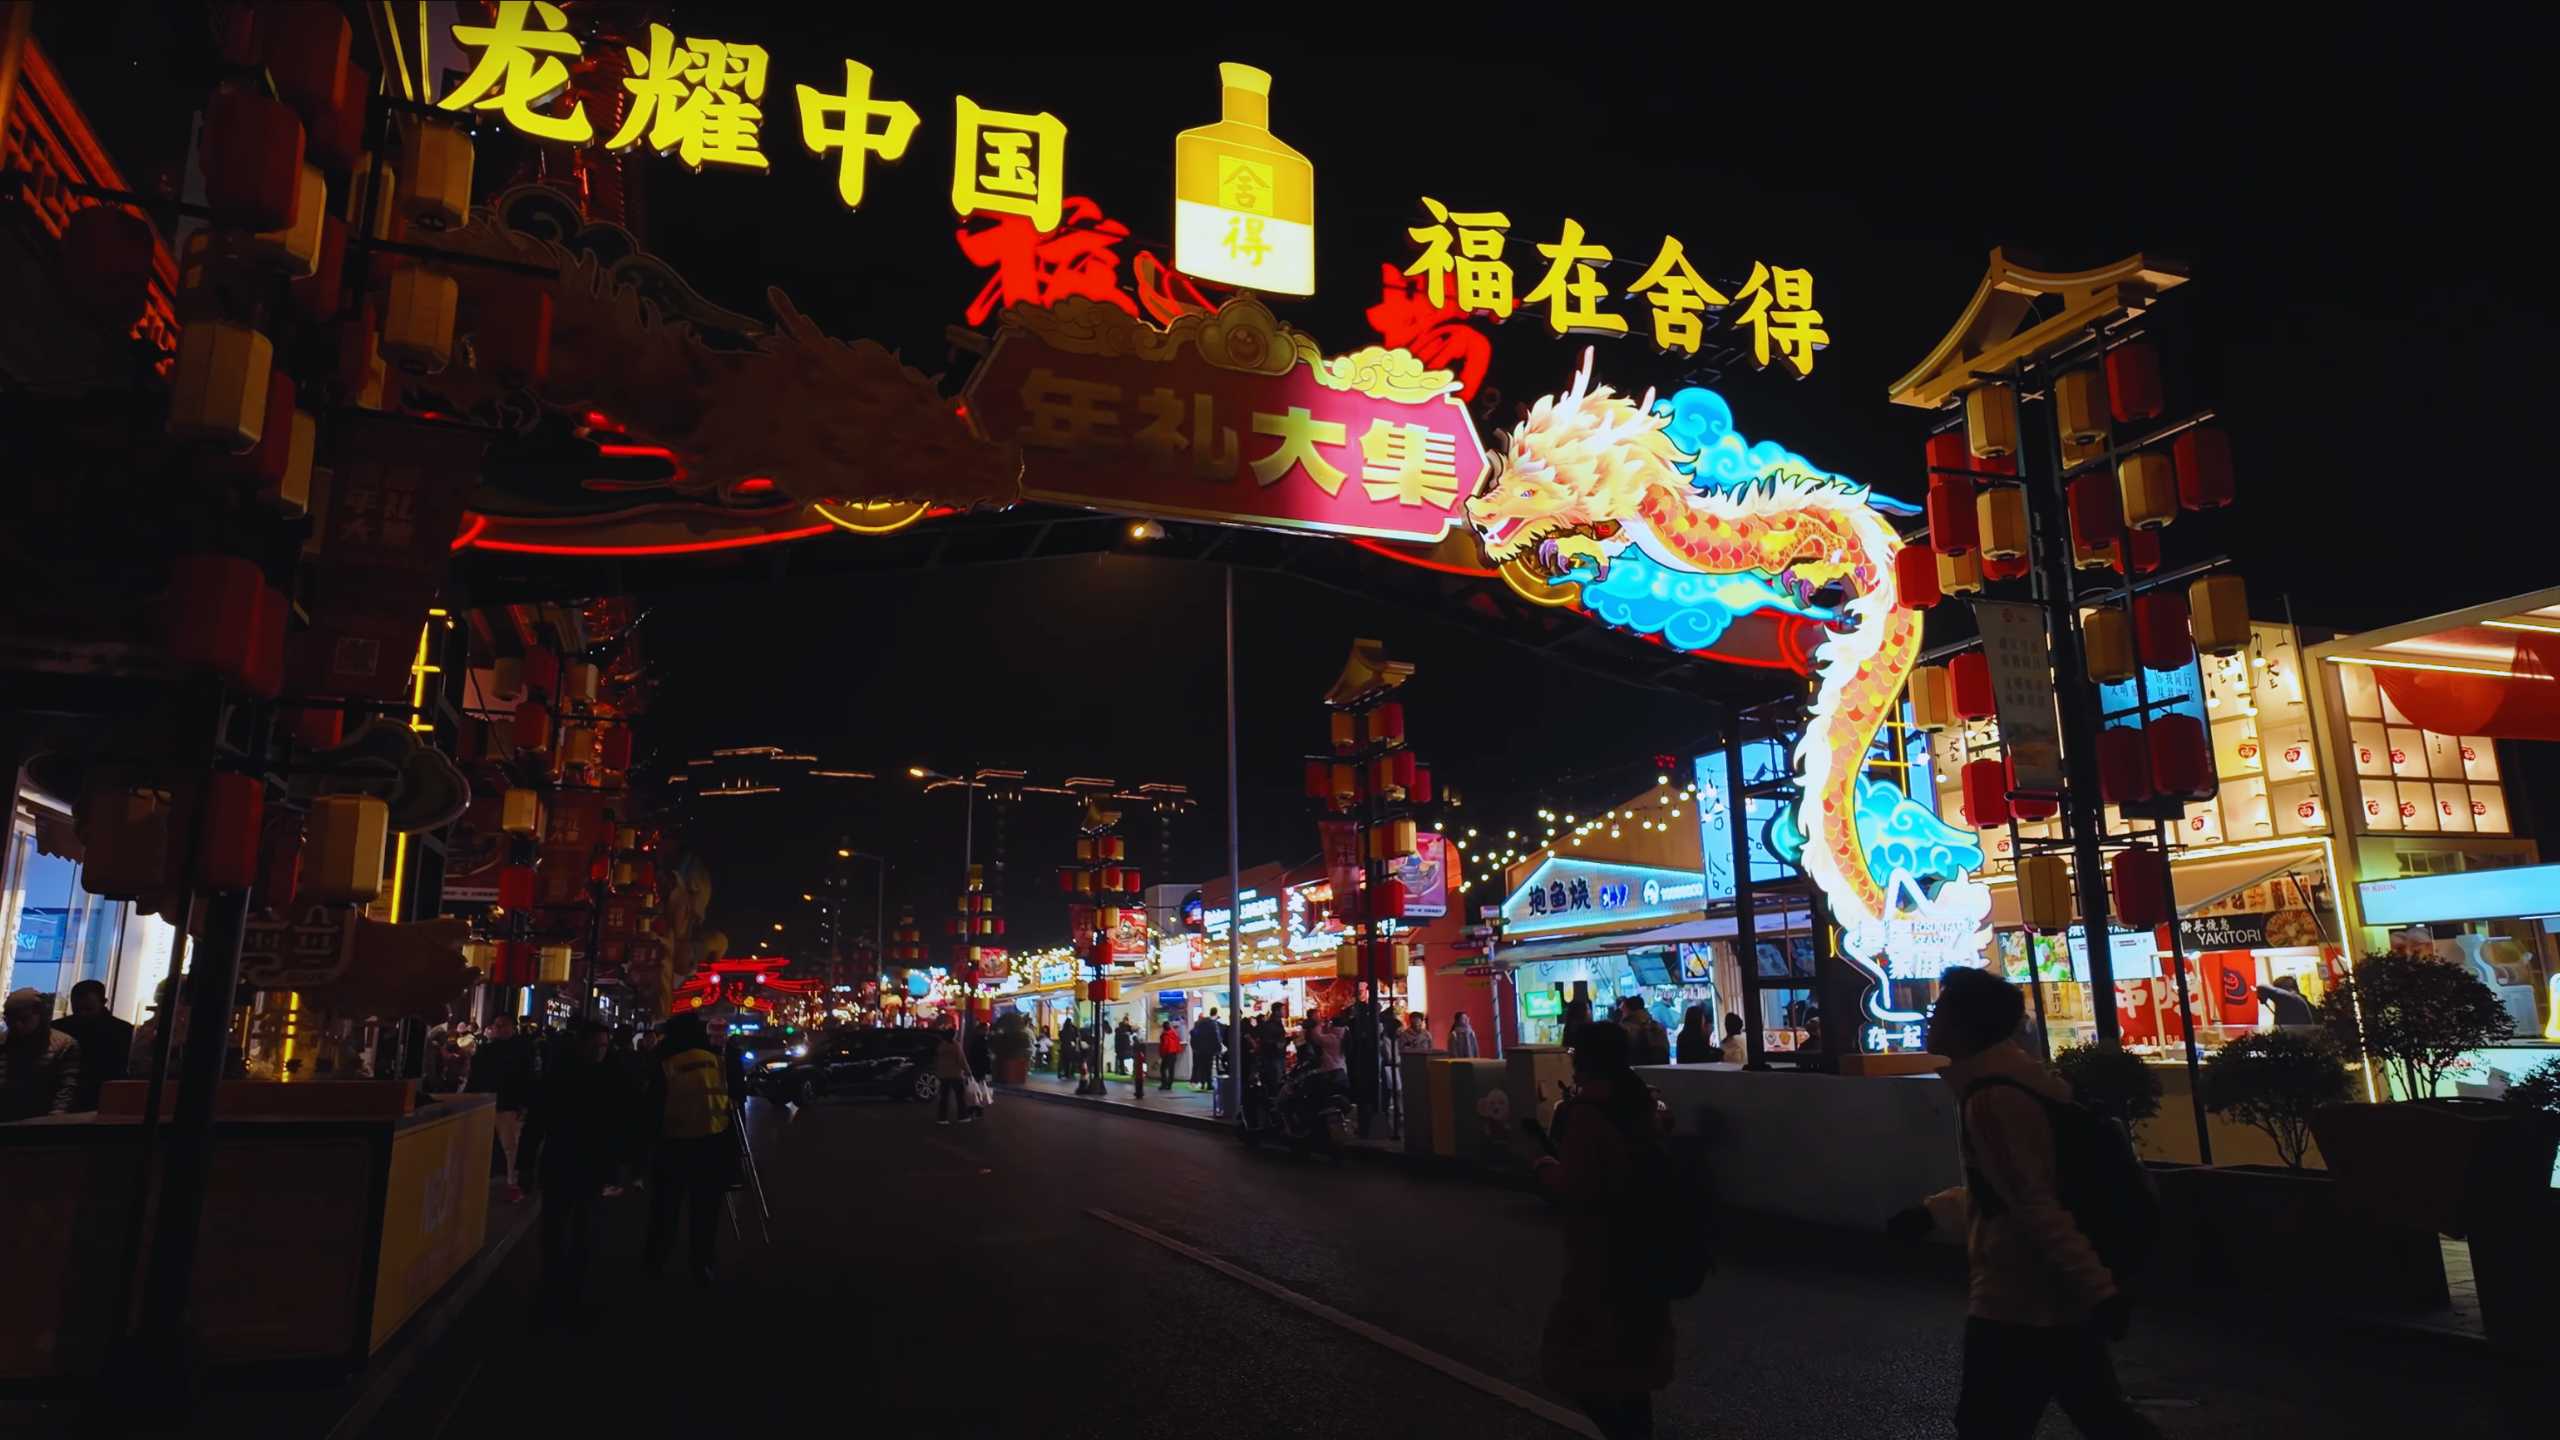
1576,463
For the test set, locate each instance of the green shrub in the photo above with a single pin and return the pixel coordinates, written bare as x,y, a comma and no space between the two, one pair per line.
2111,1082
2275,1080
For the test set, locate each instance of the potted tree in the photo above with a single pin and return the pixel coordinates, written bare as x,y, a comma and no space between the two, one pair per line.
2111,1082
1011,1047
2515,1251
2249,1215
2426,1160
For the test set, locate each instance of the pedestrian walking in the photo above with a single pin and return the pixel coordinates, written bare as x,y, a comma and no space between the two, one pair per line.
1208,1042
1168,1054
1648,1043
1608,1343
1416,1038
1737,1050
1696,1044
980,1053
1124,1046
951,1077
696,1153
578,1124
506,1065
106,1043
1068,1039
2042,1303
1462,1037
39,1065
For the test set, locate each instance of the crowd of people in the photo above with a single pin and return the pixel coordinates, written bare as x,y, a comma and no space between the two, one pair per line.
54,1066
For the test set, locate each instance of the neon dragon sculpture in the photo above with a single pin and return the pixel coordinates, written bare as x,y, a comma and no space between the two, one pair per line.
1669,523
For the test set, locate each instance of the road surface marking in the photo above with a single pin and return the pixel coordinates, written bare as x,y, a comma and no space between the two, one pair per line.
1512,1395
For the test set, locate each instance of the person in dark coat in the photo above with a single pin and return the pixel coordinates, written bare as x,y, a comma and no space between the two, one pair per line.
1605,1348
506,1065
1208,1042
1124,1046
39,1064
1069,1039
1697,1045
579,1124
981,1055
106,1043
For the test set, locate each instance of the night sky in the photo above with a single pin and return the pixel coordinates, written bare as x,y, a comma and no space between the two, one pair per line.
2368,314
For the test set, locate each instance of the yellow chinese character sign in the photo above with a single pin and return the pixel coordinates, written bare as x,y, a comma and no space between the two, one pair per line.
1228,417
521,69
701,99
841,125
1008,164
1244,203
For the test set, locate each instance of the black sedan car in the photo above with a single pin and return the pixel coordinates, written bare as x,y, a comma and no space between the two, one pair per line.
895,1064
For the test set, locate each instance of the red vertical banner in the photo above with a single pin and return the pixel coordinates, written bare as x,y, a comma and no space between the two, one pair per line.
2233,975
2137,1012
1342,863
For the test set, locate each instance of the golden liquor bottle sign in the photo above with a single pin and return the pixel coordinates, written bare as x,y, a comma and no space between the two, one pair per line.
1244,208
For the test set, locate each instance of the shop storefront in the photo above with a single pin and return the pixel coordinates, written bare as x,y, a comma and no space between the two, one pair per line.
54,934
1602,932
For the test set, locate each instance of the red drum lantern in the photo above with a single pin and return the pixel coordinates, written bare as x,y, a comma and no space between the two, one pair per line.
2138,884
318,295
2124,766
1915,576
251,156
1110,877
1319,780
617,748
2006,567
318,728
1066,882
2139,554
223,617
1134,884
2160,630
1390,899
1986,794
2203,457
2097,511
511,334
2181,760
107,261
533,726
1406,770
515,887
1946,451
234,807
1954,529
279,863
2029,804
1386,724
337,138
2133,381
1420,791
305,48
1969,678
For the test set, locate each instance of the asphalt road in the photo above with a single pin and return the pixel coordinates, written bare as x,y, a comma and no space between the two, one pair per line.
956,1281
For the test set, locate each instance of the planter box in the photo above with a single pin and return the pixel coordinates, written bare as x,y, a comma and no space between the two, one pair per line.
2448,1166
1012,1069
2290,1232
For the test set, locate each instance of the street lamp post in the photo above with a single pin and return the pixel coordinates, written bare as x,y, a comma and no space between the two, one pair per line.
879,906
968,861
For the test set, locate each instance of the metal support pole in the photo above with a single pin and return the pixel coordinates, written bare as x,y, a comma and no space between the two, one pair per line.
1746,918
169,1282
1234,1088
2186,1007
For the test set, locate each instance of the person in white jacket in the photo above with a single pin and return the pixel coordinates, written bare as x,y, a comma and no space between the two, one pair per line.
2041,1305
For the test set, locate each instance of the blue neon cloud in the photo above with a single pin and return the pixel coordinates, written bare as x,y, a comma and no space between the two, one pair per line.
1900,833
1688,610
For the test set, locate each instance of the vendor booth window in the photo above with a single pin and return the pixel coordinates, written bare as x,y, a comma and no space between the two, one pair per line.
53,934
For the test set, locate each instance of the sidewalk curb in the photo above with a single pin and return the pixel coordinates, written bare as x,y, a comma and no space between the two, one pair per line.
1161,1117
1440,1166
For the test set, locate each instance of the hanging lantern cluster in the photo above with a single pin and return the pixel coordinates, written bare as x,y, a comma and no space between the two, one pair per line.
906,943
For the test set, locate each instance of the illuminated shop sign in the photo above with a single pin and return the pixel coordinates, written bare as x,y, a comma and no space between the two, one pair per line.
2528,890
1564,894
1261,912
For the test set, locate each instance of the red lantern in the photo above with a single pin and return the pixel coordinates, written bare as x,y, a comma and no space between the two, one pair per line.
511,963
251,155
2029,804
316,728
2097,511
1066,882
223,617
1986,793
2139,554
305,47
617,748
2181,760
337,138
1954,528
1319,780
1405,769
1915,576
1969,680
2124,766
542,672
1386,724
108,255
2160,630
533,726
2138,883
1946,451
2203,458
1110,878
2133,381
1419,792
2006,567
515,887
233,808
279,862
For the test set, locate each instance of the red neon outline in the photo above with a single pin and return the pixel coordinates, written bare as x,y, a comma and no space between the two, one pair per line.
470,532
1417,562
625,452
690,547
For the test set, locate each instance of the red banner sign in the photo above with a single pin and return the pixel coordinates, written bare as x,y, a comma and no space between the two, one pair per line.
1231,417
